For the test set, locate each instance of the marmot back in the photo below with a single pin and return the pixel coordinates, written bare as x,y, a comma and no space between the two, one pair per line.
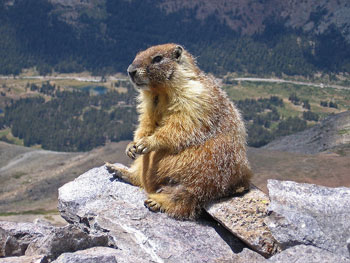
190,145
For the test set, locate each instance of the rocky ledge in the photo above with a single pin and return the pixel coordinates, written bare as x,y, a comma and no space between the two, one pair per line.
107,222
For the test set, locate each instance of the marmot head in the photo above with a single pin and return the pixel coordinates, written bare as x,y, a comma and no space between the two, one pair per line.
157,65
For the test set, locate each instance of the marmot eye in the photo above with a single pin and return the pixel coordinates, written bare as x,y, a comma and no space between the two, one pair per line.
157,59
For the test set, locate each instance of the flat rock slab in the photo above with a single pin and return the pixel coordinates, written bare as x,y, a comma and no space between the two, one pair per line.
244,216
311,215
98,203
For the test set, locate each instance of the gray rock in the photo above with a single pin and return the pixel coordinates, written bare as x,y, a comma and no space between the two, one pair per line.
64,239
3,239
99,255
30,239
16,237
307,254
25,259
43,222
97,202
310,214
244,215
247,256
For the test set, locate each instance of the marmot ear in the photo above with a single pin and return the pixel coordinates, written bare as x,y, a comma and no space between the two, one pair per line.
178,52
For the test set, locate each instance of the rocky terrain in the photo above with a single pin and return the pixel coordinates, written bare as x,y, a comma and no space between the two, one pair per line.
108,223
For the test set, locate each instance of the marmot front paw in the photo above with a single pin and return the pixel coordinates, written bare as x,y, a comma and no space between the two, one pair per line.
143,146
140,147
131,150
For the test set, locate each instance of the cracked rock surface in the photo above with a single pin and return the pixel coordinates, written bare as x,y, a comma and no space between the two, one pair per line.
98,203
37,239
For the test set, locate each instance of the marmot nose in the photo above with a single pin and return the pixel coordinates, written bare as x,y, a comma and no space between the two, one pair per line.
132,71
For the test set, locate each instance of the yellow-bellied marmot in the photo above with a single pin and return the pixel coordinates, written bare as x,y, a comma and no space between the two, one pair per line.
191,138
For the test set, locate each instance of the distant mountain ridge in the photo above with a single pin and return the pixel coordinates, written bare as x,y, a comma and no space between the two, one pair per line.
332,132
249,16
295,37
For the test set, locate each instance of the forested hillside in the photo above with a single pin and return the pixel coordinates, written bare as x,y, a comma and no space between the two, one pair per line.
104,36
79,120
71,120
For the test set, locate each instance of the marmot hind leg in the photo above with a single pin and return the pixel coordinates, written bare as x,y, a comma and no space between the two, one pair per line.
128,175
180,205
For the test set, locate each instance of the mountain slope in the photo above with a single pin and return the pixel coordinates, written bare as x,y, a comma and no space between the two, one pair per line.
333,132
251,16
30,177
248,16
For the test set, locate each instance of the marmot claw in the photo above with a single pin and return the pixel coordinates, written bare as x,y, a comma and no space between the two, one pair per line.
142,146
113,169
153,205
131,150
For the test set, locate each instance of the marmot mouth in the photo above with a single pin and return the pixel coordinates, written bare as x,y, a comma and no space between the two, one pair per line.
137,81
139,84
142,85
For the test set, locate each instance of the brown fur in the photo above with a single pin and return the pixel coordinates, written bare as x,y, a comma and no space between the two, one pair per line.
191,138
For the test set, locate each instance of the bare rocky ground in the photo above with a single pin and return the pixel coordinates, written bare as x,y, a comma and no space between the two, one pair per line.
30,177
